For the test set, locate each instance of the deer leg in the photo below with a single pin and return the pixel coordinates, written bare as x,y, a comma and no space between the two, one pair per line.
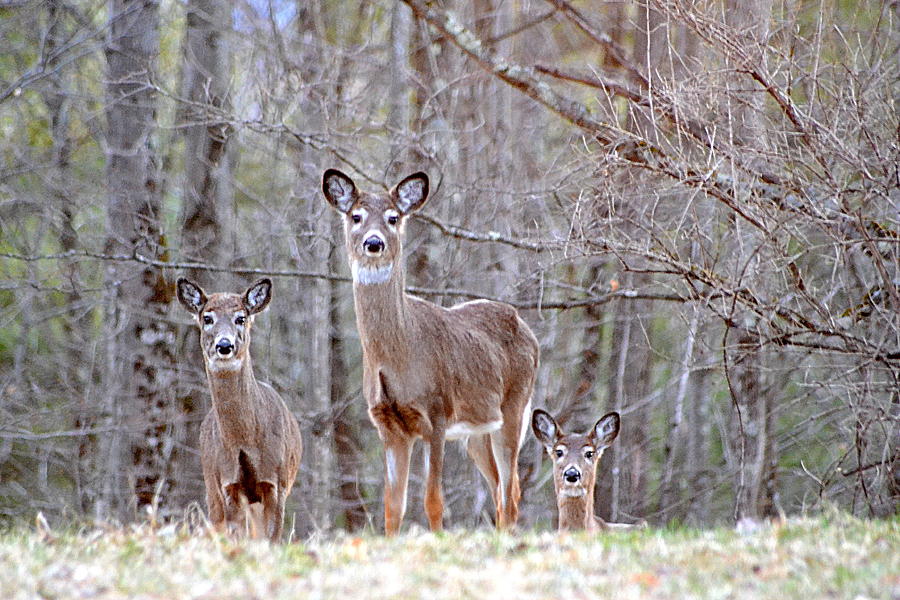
505,448
505,445
215,506
479,449
236,510
271,511
251,521
279,518
396,475
434,498
501,459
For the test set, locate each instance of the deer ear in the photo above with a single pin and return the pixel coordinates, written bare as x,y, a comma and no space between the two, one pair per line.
410,194
190,295
339,190
606,430
544,427
257,296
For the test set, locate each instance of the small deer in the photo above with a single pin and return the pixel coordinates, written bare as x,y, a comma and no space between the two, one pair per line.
429,372
250,442
575,459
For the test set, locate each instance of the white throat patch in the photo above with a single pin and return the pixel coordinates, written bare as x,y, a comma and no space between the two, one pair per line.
371,275
224,365
572,492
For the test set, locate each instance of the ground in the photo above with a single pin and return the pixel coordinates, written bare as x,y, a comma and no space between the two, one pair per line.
827,556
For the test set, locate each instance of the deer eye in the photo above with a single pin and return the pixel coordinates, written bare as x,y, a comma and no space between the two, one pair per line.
239,320
207,319
392,219
589,454
558,452
356,217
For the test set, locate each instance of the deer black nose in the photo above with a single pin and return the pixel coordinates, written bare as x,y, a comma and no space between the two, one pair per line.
572,475
374,245
224,347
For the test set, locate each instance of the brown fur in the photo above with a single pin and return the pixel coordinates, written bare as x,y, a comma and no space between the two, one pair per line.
576,512
428,368
250,442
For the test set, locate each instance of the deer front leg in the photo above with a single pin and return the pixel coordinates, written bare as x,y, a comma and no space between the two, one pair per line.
273,510
396,475
215,506
279,518
434,497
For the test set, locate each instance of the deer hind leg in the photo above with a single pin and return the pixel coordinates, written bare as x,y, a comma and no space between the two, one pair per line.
479,449
434,497
254,523
505,445
396,476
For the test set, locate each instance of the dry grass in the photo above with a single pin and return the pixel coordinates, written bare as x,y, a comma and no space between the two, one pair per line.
828,556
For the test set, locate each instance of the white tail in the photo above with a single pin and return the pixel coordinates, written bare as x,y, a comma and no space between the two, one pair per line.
575,459
429,372
249,442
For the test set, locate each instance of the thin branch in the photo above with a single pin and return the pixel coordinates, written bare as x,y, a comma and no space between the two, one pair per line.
613,49
725,39
611,87
886,461
566,304
524,26
516,76
640,152
490,236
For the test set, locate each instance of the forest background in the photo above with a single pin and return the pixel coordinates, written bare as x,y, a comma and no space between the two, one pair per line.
694,204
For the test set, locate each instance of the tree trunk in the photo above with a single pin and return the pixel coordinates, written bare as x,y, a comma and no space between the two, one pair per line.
140,360
398,118
56,96
207,161
345,408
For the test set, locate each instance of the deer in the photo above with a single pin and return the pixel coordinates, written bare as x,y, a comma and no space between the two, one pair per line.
432,373
250,445
575,458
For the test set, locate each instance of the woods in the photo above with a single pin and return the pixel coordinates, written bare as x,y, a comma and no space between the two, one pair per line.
695,206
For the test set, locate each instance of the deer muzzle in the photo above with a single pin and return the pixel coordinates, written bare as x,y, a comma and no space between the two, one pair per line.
572,475
374,245
225,347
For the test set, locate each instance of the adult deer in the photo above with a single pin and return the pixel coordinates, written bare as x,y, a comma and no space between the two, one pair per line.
575,459
250,442
429,372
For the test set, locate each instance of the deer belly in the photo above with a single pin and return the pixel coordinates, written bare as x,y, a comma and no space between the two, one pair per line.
463,429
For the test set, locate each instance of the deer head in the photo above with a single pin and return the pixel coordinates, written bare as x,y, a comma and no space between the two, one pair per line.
224,321
575,456
374,223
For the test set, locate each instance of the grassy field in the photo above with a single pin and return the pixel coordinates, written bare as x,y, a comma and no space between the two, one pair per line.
833,556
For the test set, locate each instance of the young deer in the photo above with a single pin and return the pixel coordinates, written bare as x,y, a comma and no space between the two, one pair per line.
249,441
433,373
575,459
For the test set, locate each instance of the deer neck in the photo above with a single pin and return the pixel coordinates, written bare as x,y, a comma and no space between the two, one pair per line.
382,314
234,395
576,513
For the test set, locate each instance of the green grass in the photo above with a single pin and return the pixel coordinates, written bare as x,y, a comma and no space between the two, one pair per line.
825,557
